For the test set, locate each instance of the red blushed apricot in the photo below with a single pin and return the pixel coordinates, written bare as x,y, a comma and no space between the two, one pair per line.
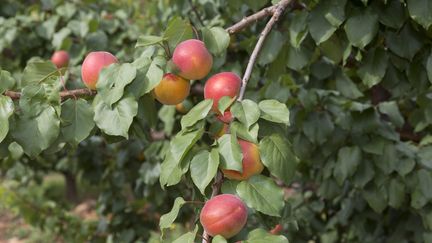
276,230
251,162
60,59
220,85
172,89
223,215
92,66
226,117
192,59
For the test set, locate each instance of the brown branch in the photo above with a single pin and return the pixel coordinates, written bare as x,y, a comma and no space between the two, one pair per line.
246,21
279,9
63,94
216,187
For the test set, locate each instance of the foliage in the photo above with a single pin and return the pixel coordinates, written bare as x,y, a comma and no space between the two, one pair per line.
339,103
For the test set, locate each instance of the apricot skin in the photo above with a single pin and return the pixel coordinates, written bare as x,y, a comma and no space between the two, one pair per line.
192,59
226,117
92,66
220,85
223,215
251,162
172,89
60,59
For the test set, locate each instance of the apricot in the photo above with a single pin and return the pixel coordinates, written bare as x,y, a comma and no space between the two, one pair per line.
223,215
226,117
251,162
60,59
192,59
172,89
220,85
92,66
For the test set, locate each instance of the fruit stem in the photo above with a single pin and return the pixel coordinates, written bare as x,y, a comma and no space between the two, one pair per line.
279,9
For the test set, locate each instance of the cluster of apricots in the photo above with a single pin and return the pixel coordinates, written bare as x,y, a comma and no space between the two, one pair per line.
224,214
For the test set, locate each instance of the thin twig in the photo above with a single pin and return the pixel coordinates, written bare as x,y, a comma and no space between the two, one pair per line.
279,9
194,9
216,187
246,21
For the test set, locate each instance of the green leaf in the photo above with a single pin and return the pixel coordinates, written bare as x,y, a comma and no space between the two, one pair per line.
318,127
391,109
361,28
346,86
392,14
405,43
374,67
148,40
37,133
167,219
197,113
242,132
188,237
225,102
271,48
6,110
7,82
420,10
216,39
183,142
396,193
298,28
348,160
230,150
219,239
38,71
325,18
171,172
246,111
275,111
203,168
262,236
113,80
298,58
117,119
167,115
425,183
277,155
77,120
262,193
429,67
15,150
177,30
376,198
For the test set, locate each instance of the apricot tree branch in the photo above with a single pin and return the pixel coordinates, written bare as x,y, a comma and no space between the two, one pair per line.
279,9
246,21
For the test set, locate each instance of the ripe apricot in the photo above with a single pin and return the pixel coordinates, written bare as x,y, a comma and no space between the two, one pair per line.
223,215
220,85
251,162
192,59
60,59
226,117
172,89
92,66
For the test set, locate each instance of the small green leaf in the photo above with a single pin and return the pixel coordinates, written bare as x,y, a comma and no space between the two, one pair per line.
420,10
183,142
396,193
148,40
216,39
298,28
391,109
262,236
277,155
242,132
6,110
376,198
346,86
203,168
167,219
262,193
117,119
171,172
197,113
224,103
230,150
275,111
77,120
361,28
271,48
374,67
188,237
7,82
38,71
219,239
325,18
347,162
405,43
246,111
177,30
425,182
